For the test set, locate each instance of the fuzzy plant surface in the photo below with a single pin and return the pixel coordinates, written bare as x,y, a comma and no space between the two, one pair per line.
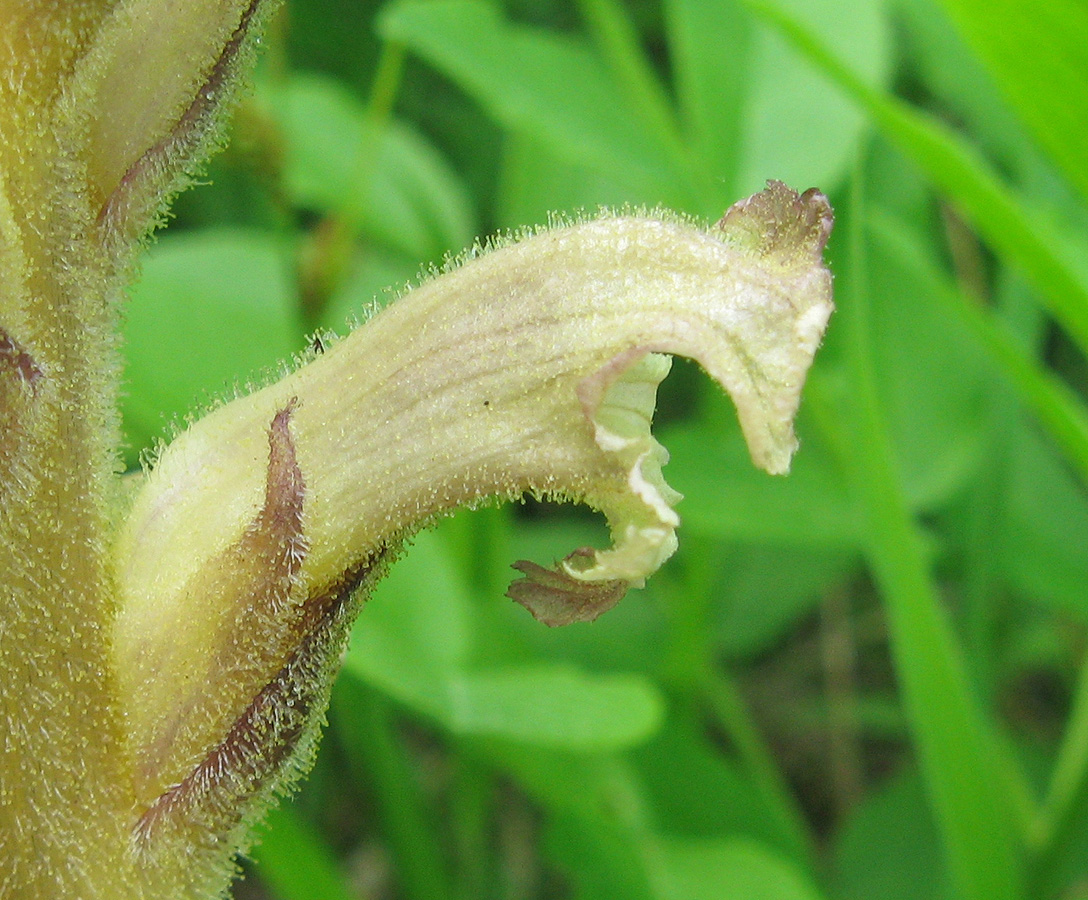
168,639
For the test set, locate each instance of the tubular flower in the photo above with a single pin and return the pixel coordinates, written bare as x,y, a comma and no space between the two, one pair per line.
166,660
532,367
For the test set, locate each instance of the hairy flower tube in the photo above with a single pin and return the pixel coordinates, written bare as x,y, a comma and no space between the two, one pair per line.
167,647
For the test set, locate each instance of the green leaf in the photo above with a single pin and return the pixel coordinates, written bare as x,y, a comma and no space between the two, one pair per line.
540,83
416,633
596,827
1056,406
384,767
536,181
931,378
620,45
554,706
1038,55
209,305
600,857
414,643
561,780
717,869
796,128
384,178
973,788
752,109
1062,836
371,281
710,45
1043,553
758,110
888,848
959,82
693,789
726,497
294,861
766,591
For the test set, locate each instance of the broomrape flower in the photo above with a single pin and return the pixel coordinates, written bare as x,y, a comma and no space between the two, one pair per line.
166,650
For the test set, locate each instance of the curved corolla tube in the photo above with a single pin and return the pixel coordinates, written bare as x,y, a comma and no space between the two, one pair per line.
530,367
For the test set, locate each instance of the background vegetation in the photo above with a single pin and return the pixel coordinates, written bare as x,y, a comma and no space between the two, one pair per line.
864,681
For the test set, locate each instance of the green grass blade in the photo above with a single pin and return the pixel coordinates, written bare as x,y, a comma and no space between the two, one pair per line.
730,869
1061,412
372,746
1038,55
728,706
957,751
541,83
753,108
618,42
711,85
961,173
1066,807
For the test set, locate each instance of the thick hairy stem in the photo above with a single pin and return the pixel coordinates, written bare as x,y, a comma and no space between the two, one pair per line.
96,100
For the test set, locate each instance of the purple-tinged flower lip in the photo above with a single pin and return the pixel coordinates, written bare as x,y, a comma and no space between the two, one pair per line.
779,222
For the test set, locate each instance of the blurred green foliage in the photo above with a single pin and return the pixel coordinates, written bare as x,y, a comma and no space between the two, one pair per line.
865,681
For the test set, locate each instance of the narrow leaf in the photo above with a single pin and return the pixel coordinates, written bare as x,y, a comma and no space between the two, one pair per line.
1017,235
958,751
1038,55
